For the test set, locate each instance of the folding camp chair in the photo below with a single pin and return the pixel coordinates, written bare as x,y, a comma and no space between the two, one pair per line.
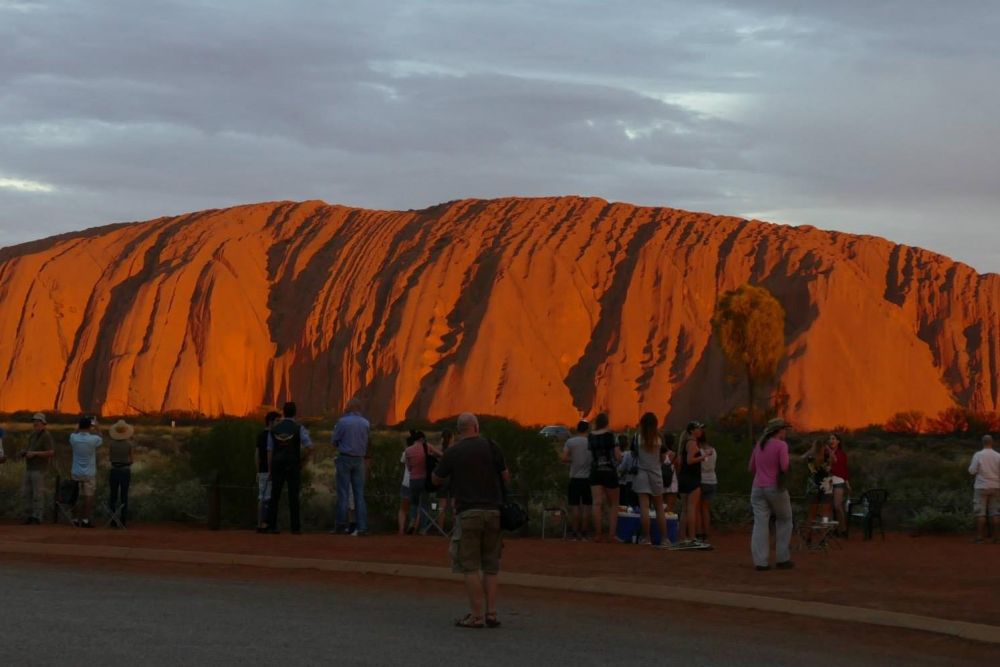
115,518
67,493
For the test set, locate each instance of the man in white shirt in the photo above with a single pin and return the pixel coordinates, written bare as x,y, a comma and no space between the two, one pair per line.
986,495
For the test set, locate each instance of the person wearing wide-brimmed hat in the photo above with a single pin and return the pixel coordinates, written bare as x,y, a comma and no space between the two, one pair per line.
36,463
120,475
769,463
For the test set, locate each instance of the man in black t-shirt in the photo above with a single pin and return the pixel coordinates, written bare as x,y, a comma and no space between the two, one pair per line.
263,473
474,467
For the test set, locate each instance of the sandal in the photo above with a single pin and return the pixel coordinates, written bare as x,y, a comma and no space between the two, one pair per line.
469,621
492,621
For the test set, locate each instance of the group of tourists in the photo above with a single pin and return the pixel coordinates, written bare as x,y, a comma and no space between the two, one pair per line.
82,480
284,448
645,474
652,473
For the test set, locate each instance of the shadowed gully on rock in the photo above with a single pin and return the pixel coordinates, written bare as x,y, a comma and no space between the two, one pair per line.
538,309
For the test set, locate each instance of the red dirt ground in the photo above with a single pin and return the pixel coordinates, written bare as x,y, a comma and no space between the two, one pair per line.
945,577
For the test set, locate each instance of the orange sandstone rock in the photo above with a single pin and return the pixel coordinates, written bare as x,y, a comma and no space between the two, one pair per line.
538,309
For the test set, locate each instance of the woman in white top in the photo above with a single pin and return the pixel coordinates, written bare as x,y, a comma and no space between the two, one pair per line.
404,496
648,483
709,485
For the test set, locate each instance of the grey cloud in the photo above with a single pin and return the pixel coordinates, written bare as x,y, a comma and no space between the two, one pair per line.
843,115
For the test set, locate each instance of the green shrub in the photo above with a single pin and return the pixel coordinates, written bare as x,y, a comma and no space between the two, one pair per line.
535,469
935,520
226,453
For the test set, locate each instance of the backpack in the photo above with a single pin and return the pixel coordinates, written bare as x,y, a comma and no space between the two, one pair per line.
287,437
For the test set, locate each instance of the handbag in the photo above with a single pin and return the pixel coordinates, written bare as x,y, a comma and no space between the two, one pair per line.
512,515
430,464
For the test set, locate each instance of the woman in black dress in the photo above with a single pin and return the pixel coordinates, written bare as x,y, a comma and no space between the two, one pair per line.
605,454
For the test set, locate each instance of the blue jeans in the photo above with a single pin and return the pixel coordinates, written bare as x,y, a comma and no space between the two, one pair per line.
351,477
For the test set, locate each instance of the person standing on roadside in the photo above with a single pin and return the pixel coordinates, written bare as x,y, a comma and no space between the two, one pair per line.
120,475
769,463
263,472
689,481
286,442
416,457
985,467
3,456
578,496
841,482
648,483
476,470
84,443
350,439
36,463
605,455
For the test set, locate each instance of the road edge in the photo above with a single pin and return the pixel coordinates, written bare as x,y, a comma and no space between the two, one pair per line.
989,634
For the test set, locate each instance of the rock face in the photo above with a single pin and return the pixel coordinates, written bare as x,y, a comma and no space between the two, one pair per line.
538,309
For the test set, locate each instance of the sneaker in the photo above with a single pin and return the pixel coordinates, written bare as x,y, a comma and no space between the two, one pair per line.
643,540
86,524
358,533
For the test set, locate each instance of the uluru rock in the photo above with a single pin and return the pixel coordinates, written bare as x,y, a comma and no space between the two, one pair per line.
538,309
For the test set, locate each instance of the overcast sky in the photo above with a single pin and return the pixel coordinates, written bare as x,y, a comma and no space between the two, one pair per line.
869,117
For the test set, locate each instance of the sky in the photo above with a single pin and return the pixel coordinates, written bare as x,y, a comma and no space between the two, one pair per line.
865,117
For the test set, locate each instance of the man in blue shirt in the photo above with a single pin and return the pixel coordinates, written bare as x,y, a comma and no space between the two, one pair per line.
350,439
85,443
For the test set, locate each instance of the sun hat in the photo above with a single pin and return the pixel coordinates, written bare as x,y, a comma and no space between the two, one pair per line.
775,425
39,417
121,431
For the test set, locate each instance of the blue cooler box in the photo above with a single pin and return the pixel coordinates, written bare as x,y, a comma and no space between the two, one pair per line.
629,527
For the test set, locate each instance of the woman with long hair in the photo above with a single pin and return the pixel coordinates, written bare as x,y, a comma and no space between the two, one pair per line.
769,463
416,454
648,483
604,458
689,481
840,477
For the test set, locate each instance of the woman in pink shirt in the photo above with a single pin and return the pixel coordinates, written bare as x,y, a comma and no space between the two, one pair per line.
768,463
417,452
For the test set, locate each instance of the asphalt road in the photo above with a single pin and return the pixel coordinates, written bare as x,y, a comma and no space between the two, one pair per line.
69,615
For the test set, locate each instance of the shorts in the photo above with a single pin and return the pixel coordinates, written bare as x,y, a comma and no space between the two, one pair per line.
476,542
263,487
606,478
578,492
88,485
839,482
708,491
986,502
417,487
404,491
650,483
688,485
